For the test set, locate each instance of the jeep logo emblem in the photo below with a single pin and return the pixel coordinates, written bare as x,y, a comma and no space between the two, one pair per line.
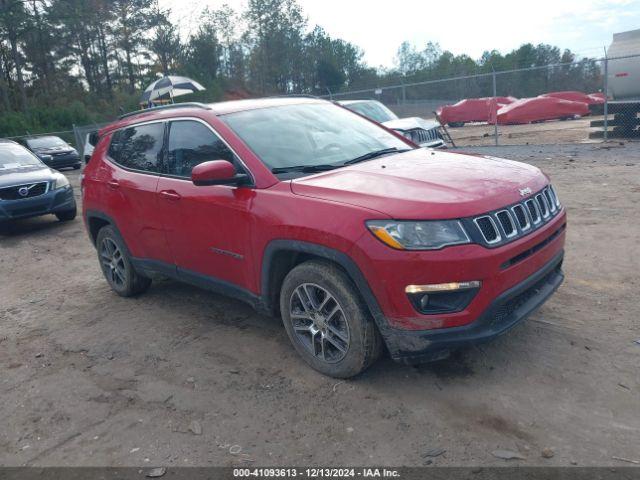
525,191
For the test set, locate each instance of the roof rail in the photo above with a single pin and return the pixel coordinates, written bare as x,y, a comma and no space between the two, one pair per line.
166,107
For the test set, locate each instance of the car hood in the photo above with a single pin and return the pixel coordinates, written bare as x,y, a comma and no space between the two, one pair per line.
411,123
425,184
18,176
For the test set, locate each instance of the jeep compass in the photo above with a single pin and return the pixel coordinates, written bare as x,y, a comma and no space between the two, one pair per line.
357,239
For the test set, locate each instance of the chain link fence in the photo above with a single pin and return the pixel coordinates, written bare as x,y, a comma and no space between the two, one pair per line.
551,104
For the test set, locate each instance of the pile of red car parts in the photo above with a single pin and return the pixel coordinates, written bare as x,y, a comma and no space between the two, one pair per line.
509,110
573,96
539,109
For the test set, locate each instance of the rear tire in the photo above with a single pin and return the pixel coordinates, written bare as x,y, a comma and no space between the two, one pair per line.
327,321
115,262
67,215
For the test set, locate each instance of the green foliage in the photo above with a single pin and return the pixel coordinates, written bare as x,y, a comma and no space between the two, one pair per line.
65,62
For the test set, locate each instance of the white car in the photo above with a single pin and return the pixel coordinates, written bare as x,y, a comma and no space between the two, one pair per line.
90,141
425,133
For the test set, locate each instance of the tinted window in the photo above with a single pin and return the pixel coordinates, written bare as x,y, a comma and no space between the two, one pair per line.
373,110
191,143
139,148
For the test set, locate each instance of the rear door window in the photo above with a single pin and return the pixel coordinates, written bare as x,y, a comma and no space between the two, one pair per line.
139,147
192,143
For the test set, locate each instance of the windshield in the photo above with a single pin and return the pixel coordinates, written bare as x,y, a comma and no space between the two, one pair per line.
309,135
15,156
373,110
46,142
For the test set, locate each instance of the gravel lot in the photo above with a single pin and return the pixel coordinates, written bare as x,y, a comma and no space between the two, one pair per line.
180,376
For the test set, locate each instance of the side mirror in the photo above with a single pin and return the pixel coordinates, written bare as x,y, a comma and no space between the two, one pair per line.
217,172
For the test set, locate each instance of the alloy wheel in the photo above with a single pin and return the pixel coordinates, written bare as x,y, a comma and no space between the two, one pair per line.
113,262
319,322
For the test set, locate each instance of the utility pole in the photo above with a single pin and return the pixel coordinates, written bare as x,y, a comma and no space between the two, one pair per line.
606,96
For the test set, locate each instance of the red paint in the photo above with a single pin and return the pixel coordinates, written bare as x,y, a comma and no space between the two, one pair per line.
213,171
174,221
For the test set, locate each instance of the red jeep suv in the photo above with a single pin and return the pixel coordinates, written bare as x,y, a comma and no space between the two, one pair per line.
353,235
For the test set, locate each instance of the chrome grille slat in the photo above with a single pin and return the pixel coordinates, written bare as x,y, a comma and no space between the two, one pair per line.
533,211
489,230
542,205
504,217
547,195
523,219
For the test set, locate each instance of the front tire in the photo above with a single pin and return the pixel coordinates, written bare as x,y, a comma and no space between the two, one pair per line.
116,265
67,215
327,321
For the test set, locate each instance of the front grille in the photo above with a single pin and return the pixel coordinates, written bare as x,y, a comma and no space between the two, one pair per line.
420,135
29,190
513,222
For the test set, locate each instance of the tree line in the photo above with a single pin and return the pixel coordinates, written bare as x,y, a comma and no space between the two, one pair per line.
81,61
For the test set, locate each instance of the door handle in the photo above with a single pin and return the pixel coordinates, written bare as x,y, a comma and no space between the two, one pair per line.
170,195
113,184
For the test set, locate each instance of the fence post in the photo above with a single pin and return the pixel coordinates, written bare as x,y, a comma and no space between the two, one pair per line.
495,106
404,94
606,96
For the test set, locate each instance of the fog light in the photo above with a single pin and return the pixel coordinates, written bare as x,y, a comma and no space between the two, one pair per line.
442,297
424,302
442,287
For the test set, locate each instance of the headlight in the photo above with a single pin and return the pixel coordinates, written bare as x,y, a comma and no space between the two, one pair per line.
60,181
427,235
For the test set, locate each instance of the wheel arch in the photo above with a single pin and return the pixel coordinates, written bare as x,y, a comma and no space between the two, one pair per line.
95,221
280,256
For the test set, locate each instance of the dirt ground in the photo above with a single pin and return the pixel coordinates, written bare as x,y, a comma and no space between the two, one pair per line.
180,376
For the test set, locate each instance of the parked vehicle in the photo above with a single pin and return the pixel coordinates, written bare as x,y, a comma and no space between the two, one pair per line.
425,133
90,141
623,88
471,110
574,96
307,211
539,109
28,188
54,151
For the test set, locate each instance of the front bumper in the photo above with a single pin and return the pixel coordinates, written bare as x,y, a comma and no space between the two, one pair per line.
506,311
54,201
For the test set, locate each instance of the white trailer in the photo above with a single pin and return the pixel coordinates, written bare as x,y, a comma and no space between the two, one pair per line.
623,87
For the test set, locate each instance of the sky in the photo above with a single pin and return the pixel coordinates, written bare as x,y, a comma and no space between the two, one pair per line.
460,26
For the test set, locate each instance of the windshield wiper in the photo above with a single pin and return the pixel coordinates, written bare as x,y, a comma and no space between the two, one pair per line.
375,154
305,168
